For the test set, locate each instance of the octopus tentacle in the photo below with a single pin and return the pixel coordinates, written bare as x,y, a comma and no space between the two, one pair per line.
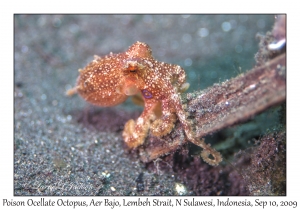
163,126
135,132
207,150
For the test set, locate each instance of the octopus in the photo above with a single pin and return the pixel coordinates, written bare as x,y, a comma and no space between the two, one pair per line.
110,80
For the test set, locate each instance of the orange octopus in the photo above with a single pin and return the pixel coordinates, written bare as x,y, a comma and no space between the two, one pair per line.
109,80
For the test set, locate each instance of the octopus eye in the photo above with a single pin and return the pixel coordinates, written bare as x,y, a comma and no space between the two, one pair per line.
146,94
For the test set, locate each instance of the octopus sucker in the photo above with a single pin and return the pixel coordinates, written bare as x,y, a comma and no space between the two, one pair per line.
109,80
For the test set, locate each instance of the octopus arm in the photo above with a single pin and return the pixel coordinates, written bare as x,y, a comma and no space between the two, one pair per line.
209,155
135,132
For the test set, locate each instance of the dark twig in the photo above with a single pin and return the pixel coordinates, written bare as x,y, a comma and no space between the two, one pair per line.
226,104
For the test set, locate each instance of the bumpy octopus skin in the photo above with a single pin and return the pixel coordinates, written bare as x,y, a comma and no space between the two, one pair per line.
109,80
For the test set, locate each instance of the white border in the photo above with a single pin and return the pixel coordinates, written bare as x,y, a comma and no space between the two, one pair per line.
154,6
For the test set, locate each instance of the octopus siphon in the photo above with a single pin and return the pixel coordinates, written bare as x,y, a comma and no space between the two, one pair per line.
109,80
